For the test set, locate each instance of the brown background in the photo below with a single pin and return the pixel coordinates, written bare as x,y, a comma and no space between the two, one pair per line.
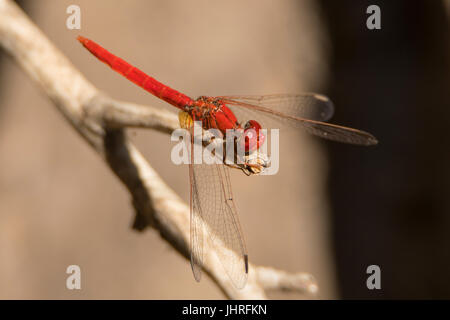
332,210
60,205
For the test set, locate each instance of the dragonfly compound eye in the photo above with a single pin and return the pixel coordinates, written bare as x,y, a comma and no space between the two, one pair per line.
253,136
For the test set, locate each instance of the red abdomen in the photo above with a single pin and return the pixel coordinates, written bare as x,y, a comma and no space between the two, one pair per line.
135,75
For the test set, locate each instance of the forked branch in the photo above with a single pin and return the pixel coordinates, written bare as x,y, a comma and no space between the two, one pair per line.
101,120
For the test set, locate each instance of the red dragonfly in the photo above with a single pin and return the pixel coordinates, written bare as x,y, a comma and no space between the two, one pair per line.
213,212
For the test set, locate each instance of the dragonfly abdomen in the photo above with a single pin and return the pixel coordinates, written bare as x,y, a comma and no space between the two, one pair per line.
135,75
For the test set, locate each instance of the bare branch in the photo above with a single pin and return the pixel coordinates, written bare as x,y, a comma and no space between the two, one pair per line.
119,114
273,279
100,121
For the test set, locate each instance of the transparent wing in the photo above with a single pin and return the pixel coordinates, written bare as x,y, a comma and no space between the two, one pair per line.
196,221
213,212
302,111
307,105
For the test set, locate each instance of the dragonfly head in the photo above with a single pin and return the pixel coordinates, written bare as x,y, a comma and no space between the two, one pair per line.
252,137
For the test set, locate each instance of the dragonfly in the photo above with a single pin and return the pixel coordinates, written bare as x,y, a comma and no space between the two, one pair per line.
213,213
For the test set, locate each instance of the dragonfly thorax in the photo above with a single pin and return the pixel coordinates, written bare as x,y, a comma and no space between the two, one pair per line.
215,114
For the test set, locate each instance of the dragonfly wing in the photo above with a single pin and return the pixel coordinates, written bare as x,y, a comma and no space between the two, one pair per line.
307,105
339,133
214,213
308,118
227,236
197,230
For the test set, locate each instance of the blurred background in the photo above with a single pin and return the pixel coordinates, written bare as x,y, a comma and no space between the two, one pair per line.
332,210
